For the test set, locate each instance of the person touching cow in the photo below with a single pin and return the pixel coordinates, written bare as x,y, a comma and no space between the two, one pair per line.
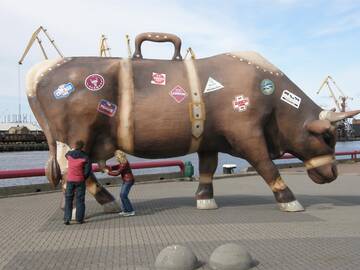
128,181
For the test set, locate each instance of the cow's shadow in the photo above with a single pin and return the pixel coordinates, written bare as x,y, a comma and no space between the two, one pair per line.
153,206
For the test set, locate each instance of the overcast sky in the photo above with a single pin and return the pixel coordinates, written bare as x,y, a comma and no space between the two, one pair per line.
307,40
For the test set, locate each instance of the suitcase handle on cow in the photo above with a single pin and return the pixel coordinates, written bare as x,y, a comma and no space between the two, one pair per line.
157,37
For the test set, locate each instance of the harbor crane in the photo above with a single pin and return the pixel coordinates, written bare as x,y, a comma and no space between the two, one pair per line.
104,47
35,37
340,102
345,129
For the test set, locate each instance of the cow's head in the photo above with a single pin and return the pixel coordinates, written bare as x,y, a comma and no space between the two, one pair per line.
313,140
303,129
320,145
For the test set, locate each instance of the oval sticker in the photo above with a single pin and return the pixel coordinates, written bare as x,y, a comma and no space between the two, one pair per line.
94,82
267,87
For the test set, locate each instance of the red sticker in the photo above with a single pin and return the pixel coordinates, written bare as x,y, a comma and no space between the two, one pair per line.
107,108
240,103
158,78
178,93
94,82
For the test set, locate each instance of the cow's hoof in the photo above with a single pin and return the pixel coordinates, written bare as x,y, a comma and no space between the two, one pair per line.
206,204
293,206
111,207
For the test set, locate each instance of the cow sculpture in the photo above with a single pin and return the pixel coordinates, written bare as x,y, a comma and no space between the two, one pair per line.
235,103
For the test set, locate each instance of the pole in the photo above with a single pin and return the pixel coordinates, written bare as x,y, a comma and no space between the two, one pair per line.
19,91
127,38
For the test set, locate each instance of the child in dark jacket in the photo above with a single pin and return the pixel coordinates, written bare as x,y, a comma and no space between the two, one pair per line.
79,169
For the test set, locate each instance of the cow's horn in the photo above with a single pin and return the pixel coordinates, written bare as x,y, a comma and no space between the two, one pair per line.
336,116
318,126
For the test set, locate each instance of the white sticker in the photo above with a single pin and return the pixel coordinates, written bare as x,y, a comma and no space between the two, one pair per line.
291,99
212,85
240,103
158,78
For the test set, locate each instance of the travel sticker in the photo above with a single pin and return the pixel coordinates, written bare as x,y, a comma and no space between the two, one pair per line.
267,87
94,82
291,99
158,78
64,90
107,108
240,103
212,85
178,94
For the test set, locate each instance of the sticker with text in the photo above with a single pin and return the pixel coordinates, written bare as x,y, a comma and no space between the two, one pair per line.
291,99
267,87
240,103
64,90
107,108
178,94
212,85
158,78
94,82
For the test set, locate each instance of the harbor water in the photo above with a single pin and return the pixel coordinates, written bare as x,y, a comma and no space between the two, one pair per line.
37,159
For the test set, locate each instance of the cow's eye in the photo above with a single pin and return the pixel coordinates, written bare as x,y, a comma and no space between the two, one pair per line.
329,139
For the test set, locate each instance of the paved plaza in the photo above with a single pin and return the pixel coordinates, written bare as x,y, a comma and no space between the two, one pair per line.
325,236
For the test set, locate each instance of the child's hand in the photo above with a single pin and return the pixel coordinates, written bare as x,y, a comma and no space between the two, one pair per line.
105,170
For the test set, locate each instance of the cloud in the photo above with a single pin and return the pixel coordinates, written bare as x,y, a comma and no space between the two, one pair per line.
76,27
272,27
342,16
348,23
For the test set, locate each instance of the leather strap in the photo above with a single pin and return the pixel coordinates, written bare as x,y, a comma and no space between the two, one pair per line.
319,161
196,106
278,185
125,107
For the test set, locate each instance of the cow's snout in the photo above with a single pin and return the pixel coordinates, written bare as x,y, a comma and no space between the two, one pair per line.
323,174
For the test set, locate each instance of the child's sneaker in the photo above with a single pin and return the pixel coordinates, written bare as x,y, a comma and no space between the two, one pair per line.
127,214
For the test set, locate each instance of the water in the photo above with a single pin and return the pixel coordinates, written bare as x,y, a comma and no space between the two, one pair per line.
37,159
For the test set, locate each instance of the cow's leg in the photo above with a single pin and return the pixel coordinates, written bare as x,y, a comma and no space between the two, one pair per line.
257,155
284,196
101,195
207,167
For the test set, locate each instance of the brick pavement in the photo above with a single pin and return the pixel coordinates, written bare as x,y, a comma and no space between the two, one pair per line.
326,236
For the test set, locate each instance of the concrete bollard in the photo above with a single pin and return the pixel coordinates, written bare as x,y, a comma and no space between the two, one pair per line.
230,257
176,257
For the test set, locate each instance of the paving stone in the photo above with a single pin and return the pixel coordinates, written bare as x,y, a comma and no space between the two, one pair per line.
326,236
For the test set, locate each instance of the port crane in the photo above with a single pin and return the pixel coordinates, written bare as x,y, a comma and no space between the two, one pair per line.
104,47
35,37
344,127
340,102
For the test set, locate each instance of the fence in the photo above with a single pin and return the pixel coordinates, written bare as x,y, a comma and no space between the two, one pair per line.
8,174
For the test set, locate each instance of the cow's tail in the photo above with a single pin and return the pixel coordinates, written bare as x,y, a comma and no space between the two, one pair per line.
33,77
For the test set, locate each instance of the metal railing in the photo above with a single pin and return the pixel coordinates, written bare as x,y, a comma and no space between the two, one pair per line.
8,174
352,154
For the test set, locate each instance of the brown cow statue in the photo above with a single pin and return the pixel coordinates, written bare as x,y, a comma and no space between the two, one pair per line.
235,103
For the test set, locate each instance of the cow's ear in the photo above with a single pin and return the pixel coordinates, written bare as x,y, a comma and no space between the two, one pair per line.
318,126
